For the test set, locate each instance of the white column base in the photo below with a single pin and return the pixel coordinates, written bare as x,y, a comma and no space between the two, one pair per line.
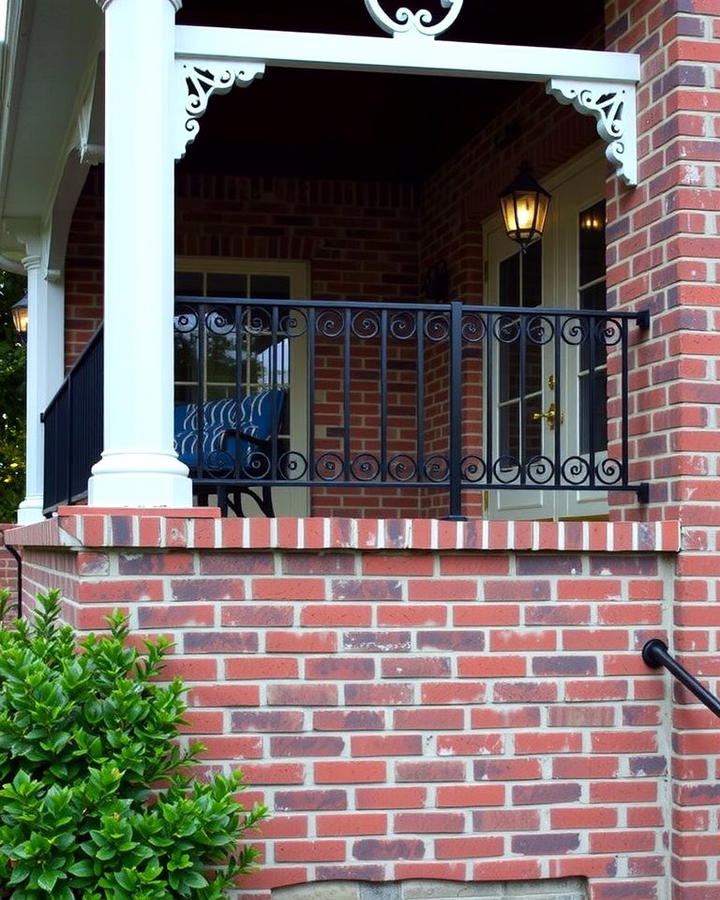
139,479
30,510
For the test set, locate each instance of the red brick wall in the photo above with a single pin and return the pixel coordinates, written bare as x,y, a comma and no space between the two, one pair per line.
84,267
413,699
662,252
663,249
8,567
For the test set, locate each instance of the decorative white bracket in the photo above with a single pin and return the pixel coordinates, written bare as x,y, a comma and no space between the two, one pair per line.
90,125
614,106
198,79
413,24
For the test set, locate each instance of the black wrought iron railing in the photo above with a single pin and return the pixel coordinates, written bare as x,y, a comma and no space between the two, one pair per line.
74,429
442,398
437,397
655,654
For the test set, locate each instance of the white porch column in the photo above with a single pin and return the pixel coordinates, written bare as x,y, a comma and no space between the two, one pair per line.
139,466
45,354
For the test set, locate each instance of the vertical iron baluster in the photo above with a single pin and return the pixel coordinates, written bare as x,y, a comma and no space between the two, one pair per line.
200,405
558,396
311,393
592,337
489,408
274,328
420,394
455,461
238,386
346,395
622,324
383,473
70,448
524,323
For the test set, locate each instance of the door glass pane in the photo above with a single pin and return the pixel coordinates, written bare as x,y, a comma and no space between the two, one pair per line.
592,243
593,353
510,281
532,275
519,357
595,430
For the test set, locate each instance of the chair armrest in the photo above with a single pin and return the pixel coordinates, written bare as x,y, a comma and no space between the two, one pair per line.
227,433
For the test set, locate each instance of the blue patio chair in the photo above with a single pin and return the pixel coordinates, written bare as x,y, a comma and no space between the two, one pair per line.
237,437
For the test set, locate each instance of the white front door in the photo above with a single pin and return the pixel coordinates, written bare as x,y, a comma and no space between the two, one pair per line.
548,409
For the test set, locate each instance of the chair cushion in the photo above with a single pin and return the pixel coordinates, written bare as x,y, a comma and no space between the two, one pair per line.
221,449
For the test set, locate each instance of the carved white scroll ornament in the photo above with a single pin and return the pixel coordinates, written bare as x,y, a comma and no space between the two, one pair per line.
198,80
614,108
413,24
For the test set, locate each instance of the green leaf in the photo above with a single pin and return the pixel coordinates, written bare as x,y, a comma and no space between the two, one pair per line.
47,880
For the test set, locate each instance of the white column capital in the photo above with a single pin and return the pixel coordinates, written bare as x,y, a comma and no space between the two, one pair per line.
104,4
31,262
27,232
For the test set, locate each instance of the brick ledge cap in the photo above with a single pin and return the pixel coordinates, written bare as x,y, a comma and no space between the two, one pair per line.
171,529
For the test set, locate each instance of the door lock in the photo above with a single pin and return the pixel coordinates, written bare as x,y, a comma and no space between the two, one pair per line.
551,417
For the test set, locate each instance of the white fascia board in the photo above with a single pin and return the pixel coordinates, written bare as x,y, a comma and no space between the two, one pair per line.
404,55
17,25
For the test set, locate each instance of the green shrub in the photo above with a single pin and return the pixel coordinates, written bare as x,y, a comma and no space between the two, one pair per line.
96,799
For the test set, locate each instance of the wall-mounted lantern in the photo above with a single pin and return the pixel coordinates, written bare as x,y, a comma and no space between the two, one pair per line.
19,313
524,204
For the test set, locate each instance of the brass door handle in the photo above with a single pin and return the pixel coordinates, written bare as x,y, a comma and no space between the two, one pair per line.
550,415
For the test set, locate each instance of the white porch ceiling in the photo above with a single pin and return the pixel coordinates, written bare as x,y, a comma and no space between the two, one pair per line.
55,44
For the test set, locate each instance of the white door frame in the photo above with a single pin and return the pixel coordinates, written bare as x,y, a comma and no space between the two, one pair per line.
574,187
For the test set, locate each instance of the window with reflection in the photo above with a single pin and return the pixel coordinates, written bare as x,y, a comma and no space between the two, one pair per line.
230,356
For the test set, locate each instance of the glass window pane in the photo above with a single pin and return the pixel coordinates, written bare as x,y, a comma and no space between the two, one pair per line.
532,275
592,243
185,393
509,431
533,427
220,359
189,284
226,284
598,384
270,287
186,356
509,368
509,273
593,297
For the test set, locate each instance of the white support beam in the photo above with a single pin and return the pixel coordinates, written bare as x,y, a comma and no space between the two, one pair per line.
595,82
415,57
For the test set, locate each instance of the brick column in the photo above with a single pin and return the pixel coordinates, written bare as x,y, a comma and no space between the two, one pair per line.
663,249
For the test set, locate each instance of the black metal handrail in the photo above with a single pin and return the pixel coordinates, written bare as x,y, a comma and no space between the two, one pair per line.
73,432
655,654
